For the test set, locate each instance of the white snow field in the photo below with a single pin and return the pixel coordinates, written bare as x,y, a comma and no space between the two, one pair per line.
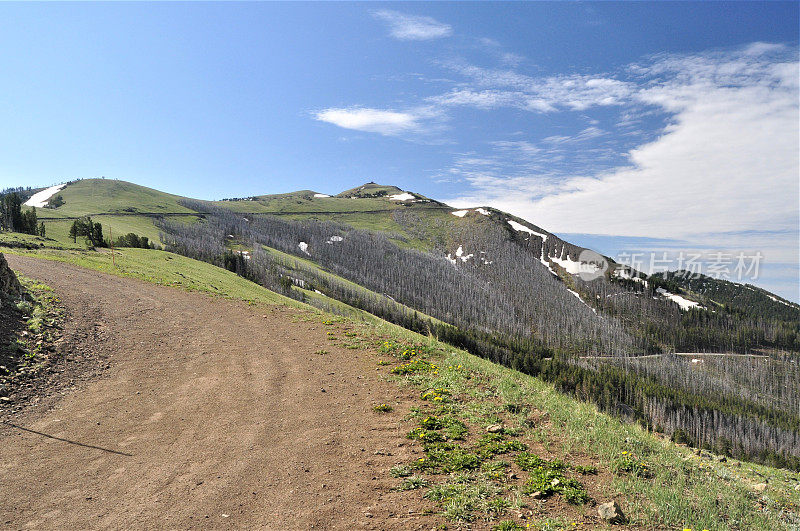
405,196
685,304
39,199
522,228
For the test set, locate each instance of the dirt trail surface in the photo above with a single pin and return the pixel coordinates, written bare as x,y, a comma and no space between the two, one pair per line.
209,413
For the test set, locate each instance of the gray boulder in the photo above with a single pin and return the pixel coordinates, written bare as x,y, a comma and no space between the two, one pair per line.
9,285
611,512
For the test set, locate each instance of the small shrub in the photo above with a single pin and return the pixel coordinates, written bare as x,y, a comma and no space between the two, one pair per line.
497,506
383,408
400,471
460,460
455,429
542,480
529,461
413,483
575,493
415,366
439,394
628,464
449,457
508,525
502,448
431,423
425,435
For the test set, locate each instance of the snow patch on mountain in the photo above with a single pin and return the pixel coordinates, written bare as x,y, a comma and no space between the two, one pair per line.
405,196
39,199
624,274
580,299
460,213
574,267
334,239
782,302
321,195
519,227
304,247
546,263
685,304
459,256
482,211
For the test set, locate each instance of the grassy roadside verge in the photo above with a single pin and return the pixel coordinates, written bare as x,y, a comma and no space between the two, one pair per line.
658,484
33,324
467,469
168,269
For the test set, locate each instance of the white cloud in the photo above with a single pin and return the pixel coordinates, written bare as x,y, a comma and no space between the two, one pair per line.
370,120
412,27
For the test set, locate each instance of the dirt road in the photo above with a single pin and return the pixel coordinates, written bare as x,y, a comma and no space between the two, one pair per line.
209,414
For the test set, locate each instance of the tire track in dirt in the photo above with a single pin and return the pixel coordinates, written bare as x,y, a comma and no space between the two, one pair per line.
220,411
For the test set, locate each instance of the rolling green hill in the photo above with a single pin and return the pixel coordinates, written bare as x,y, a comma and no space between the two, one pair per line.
107,196
119,206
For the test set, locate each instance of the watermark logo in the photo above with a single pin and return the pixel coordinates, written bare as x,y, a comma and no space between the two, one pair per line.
725,265
592,265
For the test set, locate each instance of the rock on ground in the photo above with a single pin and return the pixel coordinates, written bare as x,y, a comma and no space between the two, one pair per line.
9,284
611,512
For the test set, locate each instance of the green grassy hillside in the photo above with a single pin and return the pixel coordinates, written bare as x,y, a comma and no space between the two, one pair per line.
120,206
107,196
368,207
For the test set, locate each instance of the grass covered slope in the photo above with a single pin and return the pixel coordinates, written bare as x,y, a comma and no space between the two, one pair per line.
29,241
658,484
369,207
165,268
121,207
107,196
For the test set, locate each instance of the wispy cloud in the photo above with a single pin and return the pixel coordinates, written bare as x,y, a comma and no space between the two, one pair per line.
371,120
492,88
413,27
498,50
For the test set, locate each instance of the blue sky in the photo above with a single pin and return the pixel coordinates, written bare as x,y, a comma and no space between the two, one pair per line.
656,125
